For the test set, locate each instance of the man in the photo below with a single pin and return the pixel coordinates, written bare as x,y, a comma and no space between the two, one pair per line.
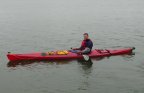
86,46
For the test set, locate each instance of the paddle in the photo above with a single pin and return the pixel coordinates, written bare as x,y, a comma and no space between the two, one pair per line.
86,57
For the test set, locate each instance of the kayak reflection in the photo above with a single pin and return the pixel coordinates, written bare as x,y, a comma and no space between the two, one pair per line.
87,64
24,63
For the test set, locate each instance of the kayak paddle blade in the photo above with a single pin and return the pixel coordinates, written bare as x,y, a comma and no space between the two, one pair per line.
86,57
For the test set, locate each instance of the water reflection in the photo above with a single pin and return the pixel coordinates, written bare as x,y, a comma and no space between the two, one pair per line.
128,57
85,64
86,70
24,63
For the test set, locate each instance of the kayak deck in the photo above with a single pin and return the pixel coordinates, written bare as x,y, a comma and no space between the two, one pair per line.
70,55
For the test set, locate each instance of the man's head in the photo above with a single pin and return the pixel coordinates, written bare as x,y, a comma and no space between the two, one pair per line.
86,36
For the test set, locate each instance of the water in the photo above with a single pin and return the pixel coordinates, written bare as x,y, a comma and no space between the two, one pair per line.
44,25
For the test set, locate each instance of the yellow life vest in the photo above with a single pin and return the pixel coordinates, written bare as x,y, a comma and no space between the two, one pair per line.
62,52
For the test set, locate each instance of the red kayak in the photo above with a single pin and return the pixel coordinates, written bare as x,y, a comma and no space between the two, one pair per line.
46,56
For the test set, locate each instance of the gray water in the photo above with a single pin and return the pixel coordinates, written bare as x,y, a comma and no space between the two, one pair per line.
45,25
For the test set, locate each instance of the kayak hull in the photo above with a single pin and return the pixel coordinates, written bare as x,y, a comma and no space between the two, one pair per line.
95,53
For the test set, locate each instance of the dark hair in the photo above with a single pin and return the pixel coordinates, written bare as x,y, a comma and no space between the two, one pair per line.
85,34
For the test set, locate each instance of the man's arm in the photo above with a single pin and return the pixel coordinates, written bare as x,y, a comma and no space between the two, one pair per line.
86,50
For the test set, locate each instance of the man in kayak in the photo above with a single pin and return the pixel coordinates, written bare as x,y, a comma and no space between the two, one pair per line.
86,46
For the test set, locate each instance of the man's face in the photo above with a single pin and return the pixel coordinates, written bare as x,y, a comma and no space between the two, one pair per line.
85,37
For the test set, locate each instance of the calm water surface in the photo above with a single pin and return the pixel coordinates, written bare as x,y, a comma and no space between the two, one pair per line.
45,25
